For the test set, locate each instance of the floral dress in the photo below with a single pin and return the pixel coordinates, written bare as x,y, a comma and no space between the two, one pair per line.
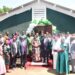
7,54
36,50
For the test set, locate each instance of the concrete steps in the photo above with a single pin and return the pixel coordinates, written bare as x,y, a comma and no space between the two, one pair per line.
38,63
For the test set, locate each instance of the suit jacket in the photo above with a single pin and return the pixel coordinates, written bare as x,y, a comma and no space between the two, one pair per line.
14,48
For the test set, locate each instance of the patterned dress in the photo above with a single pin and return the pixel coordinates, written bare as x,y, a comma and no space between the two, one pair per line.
7,54
36,50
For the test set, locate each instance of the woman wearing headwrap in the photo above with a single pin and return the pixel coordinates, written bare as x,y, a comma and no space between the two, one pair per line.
36,49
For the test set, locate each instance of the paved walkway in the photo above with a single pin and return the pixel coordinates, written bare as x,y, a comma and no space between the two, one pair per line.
32,71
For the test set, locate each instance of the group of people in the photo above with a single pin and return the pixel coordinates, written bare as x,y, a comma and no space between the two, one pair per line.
22,45
39,47
63,50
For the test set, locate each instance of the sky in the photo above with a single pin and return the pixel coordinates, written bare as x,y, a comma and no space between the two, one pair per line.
66,3
15,3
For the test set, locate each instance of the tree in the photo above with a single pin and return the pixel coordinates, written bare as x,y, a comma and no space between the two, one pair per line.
4,9
1,11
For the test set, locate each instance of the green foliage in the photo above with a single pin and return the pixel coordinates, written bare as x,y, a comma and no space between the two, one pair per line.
42,22
1,10
4,9
45,22
34,21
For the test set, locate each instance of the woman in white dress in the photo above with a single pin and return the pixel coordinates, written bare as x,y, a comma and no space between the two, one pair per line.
2,62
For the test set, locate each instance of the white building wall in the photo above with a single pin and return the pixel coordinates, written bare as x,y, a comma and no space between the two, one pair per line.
38,11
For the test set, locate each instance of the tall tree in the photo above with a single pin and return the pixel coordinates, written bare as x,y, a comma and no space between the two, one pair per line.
4,9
